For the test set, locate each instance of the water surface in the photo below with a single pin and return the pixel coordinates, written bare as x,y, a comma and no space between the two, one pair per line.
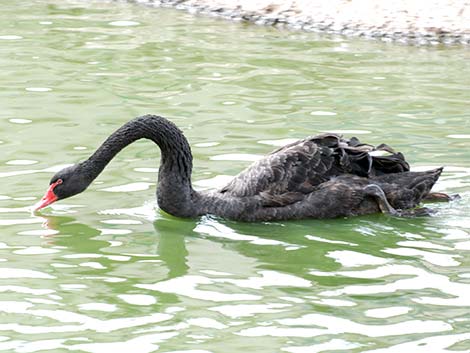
107,270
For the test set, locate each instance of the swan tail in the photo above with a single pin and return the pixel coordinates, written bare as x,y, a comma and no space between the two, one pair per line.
406,190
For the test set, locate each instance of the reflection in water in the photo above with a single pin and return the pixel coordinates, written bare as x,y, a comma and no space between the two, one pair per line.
165,270
230,291
265,276
171,245
331,325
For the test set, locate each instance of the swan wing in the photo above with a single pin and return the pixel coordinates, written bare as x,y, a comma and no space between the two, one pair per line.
293,169
287,174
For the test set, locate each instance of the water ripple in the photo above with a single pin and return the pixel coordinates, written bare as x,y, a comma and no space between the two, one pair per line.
92,277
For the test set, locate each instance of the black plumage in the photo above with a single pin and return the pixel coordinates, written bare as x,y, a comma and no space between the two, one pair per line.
322,176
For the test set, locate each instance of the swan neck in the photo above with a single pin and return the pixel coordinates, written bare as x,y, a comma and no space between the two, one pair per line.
174,189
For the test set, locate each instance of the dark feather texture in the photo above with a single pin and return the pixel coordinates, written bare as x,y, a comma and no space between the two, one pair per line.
322,176
299,167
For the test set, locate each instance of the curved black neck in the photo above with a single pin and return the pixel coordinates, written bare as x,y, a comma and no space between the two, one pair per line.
174,191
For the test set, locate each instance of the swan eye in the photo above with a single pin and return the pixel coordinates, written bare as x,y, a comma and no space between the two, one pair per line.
57,182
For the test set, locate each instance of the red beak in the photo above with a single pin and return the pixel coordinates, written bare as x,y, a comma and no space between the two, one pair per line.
48,198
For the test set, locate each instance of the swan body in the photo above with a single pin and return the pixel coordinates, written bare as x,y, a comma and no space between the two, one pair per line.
322,176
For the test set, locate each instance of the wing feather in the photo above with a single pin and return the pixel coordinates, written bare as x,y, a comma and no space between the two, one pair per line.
288,173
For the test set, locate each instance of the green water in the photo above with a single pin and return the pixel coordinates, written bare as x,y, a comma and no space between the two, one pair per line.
107,271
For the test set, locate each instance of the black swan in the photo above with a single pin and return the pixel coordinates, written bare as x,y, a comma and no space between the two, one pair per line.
323,176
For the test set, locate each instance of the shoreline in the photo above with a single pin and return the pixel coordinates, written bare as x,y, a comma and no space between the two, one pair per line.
417,22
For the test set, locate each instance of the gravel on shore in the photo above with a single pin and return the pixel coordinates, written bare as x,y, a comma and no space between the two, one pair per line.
407,21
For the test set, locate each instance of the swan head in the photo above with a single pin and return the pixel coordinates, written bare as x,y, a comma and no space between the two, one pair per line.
65,183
